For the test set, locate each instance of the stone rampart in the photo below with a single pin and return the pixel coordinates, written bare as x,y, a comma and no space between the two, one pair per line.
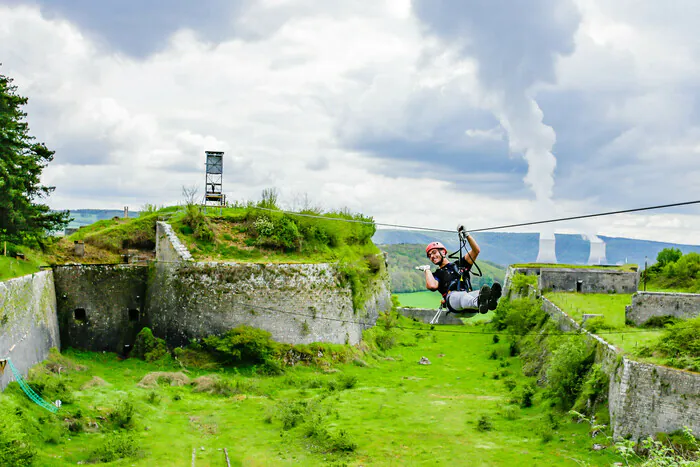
169,248
28,324
296,303
643,399
425,315
587,280
101,307
647,305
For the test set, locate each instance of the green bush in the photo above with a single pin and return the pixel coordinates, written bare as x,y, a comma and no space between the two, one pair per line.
347,381
660,321
567,370
123,414
519,316
243,344
15,447
148,347
680,344
521,283
525,396
484,423
116,446
596,324
593,392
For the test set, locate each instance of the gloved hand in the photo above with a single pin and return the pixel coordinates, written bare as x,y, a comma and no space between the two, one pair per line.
462,231
424,267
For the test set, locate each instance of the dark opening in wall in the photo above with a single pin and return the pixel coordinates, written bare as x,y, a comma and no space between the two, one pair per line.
133,314
79,314
579,286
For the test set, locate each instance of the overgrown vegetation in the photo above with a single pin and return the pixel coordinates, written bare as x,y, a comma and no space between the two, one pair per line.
520,284
674,271
562,363
678,346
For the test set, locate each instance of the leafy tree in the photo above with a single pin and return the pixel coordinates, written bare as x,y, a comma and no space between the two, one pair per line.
22,217
668,255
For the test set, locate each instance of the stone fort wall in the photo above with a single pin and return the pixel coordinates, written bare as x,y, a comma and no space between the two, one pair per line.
647,305
28,324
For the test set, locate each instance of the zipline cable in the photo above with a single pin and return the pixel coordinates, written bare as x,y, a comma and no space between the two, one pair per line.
485,229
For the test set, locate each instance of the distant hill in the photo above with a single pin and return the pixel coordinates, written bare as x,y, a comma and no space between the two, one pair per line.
510,248
82,217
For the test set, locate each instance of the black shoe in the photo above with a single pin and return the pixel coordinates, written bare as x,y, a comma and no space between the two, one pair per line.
495,295
483,300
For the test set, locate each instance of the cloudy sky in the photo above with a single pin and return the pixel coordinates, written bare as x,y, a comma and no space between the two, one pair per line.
424,112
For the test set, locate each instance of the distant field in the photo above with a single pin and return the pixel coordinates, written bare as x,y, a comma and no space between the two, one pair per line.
611,306
419,299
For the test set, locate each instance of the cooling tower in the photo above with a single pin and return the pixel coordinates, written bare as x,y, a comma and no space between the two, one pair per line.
597,255
546,253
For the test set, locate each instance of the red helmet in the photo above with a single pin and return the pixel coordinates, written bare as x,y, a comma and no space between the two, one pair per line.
433,246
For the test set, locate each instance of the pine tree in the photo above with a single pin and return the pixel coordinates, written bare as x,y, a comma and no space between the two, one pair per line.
23,219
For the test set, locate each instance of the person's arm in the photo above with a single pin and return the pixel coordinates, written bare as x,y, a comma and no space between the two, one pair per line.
471,255
430,282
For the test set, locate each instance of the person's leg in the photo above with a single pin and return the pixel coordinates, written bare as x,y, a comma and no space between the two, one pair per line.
496,291
477,300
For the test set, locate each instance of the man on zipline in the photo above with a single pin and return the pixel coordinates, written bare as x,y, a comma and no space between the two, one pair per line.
448,280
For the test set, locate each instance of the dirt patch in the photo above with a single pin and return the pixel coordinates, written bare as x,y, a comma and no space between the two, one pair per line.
212,384
157,377
94,382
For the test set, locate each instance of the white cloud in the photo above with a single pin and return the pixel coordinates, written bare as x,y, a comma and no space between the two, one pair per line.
130,131
492,134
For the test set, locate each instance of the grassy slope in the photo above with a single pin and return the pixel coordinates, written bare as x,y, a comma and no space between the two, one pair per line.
11,267
399,413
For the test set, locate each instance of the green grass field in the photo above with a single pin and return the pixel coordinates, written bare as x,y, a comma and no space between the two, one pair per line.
612,307
397,412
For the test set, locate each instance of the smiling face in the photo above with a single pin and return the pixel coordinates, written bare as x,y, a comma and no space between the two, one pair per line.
436,256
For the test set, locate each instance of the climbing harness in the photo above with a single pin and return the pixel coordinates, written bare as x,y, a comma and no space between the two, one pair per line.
463,283
25,387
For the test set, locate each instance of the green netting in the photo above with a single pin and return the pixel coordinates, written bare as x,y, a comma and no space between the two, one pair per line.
29,391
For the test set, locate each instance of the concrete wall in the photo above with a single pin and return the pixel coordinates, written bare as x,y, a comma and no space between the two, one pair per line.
587,280
646,305
113,300
643,399
28,324
426,314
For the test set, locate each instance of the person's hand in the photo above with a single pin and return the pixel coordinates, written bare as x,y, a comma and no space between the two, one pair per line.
462,231
425,267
